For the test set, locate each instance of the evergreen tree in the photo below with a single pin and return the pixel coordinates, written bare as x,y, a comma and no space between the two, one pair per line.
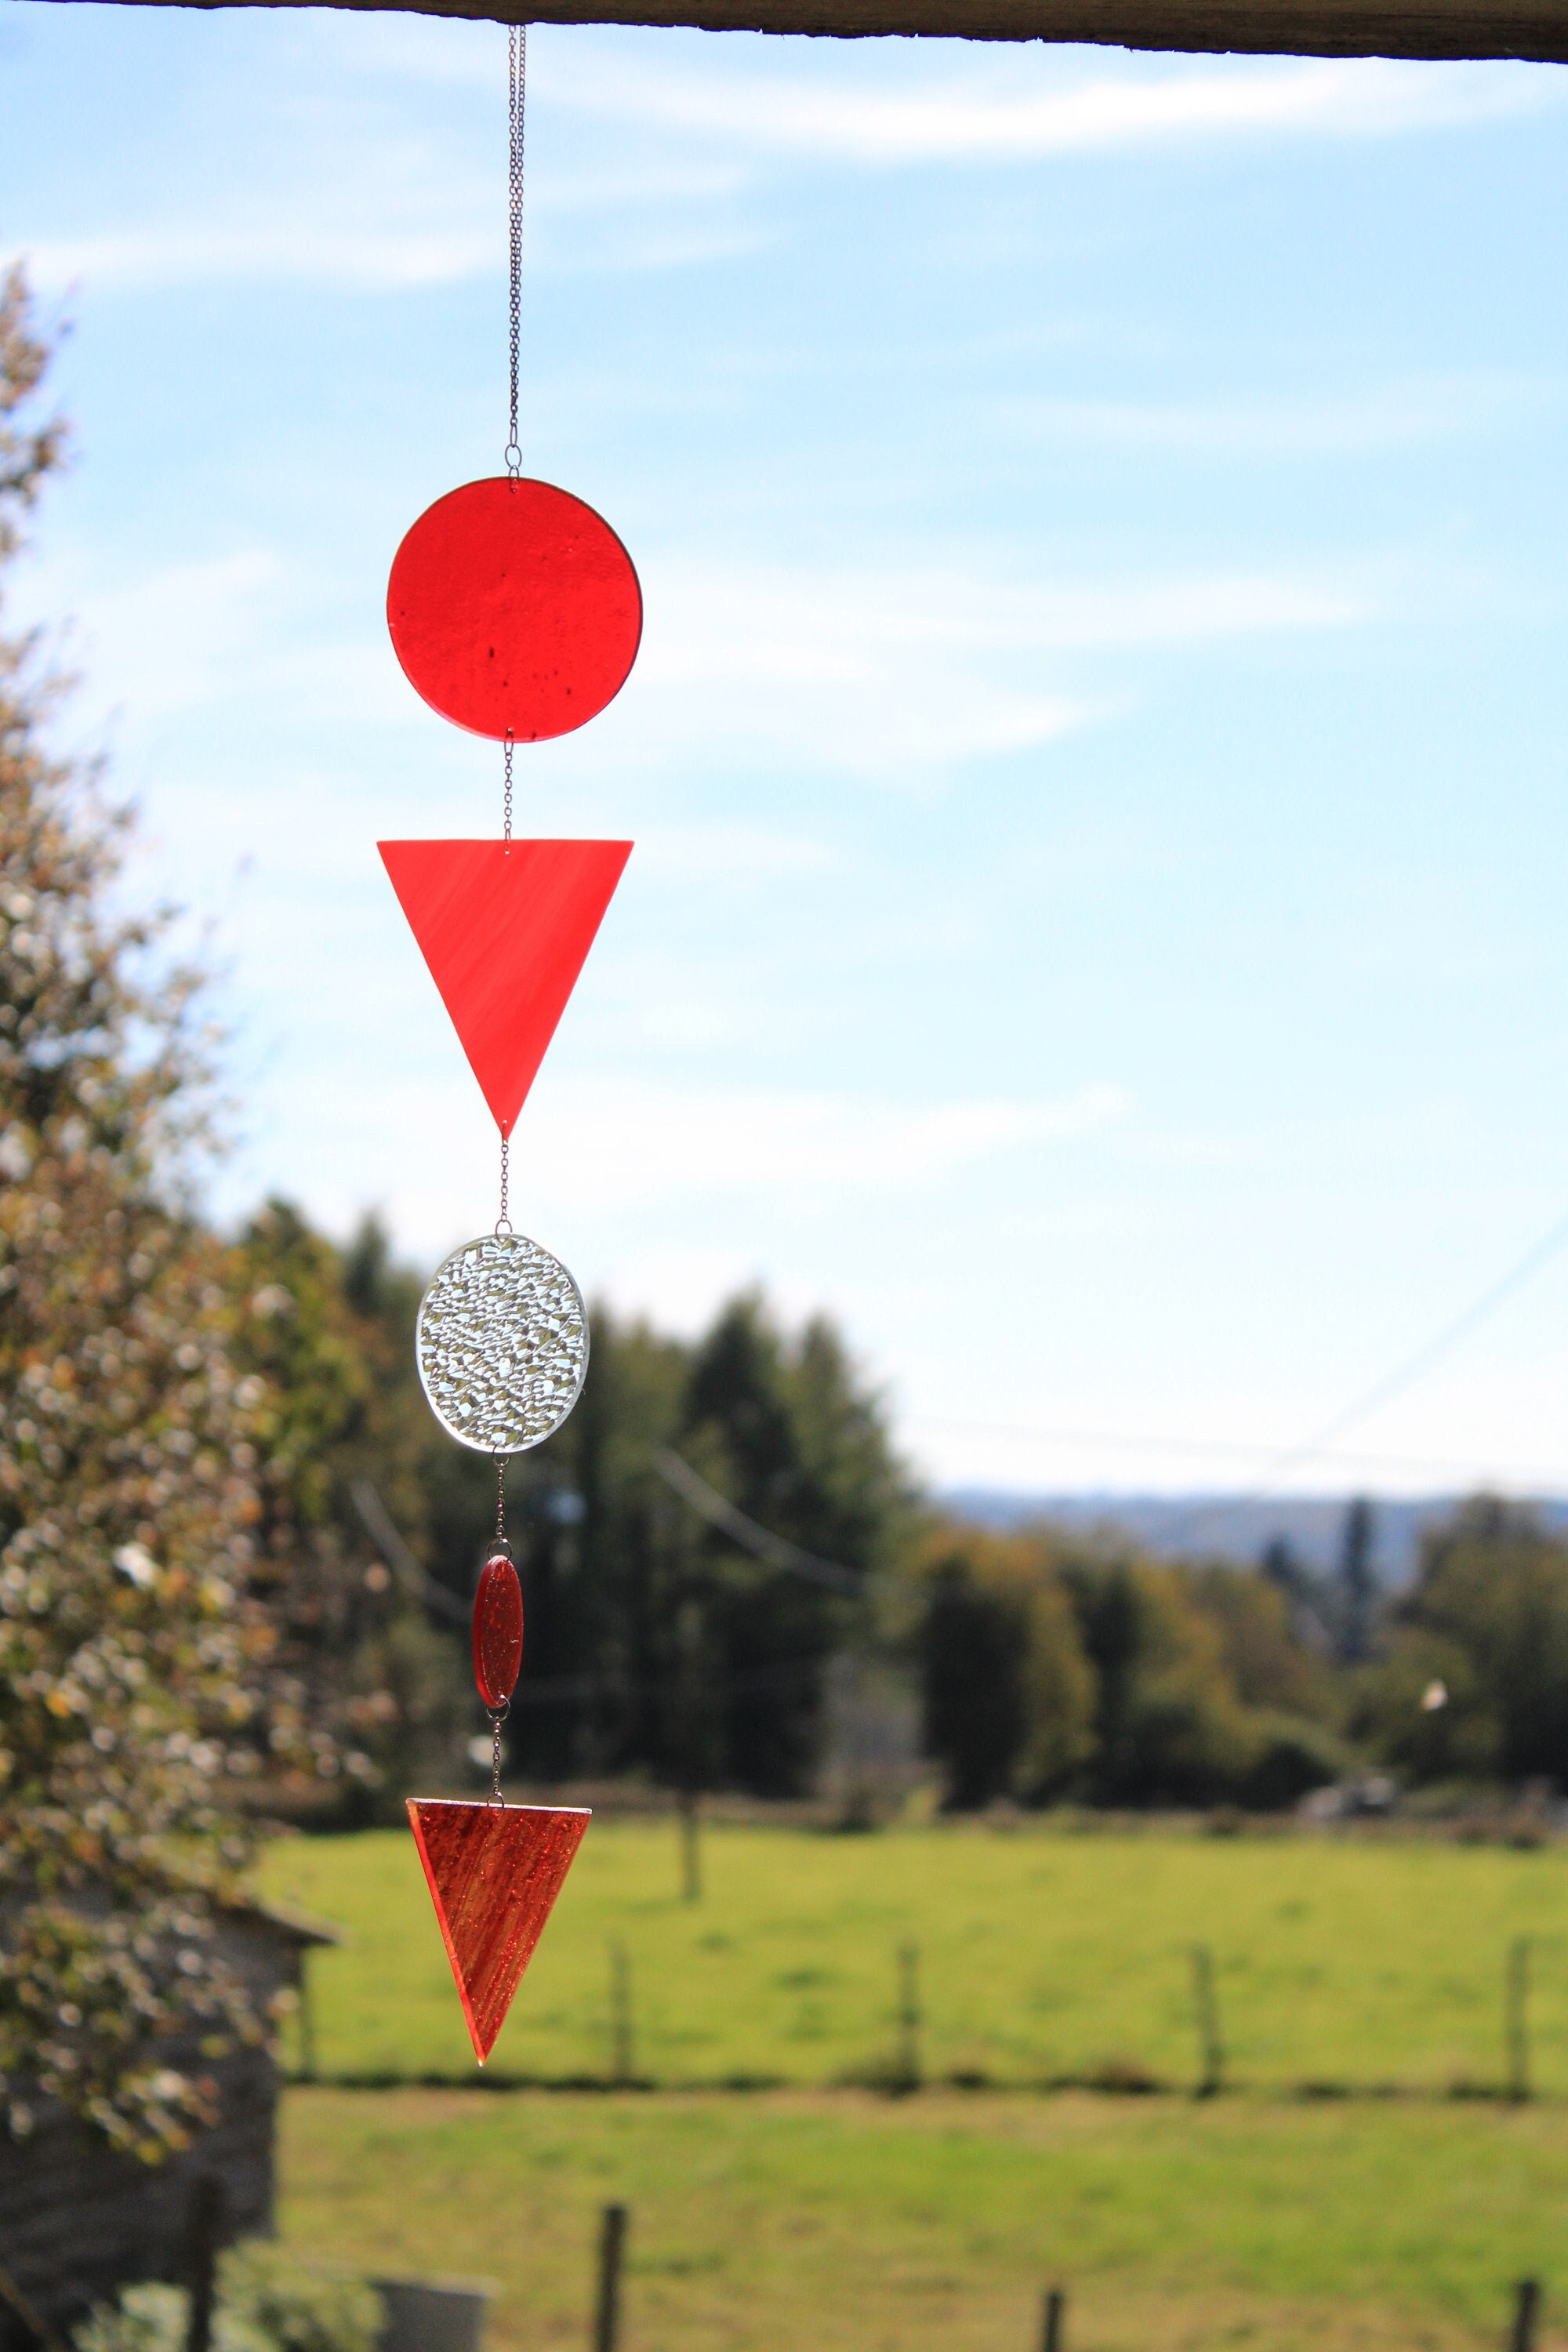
973,1719
1357,1582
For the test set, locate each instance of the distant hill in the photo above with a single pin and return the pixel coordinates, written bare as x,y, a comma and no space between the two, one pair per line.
1226,1527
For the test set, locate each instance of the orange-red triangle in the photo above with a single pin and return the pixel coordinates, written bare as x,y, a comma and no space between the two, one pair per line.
505,926
494,1873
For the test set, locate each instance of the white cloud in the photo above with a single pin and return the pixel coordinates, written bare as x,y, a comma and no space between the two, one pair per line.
874,670
178,635
425,227
982,116
897,669
588,1149
607,1144
727,853
1393,416
159,254
355,195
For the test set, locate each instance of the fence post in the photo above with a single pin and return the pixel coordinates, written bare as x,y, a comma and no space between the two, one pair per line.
1206,2004
1053,2330
307,2021
207,2214
612,2245
908,2068
690,1850
1526,2312
622,2066
1517,2018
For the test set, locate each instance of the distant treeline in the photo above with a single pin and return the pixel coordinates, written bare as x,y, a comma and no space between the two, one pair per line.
1048,1665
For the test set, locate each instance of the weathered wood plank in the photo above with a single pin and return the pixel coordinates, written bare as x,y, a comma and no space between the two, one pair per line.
1534,29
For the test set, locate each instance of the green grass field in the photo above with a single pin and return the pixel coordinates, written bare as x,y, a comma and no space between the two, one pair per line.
848,2223
1043,1955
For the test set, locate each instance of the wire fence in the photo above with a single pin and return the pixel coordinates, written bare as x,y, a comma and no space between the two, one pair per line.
902,2060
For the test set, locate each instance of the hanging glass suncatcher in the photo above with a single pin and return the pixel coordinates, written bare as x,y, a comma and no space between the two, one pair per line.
515,612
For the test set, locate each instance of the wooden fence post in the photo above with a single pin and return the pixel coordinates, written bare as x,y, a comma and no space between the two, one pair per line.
612,2245
207,2212
307,2021
622,2065
691,1848
907,2069
1526,2312
1053,2330
1516,2007
1206,2004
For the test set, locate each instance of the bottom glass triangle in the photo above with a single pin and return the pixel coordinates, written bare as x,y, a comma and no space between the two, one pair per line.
494,1873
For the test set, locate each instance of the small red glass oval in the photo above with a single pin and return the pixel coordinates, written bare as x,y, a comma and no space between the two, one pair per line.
498,1632
514,609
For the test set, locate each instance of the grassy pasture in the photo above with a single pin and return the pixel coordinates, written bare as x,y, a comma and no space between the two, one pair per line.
854,2223
1044,1954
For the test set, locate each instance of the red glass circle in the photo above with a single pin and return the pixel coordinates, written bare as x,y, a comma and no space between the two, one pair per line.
498,1632
514,609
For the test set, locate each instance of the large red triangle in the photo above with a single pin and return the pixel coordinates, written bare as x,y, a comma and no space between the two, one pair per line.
494,1873
505,926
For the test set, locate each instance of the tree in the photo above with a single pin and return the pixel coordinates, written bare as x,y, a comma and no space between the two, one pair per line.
1054,1665
1357,1582
331,1333
654,1642
144,1686
1008,1689
784,1431
1170,1724
973,1714
1268,1663
1487,1619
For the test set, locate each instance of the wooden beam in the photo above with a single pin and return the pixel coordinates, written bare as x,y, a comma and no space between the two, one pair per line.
1536,29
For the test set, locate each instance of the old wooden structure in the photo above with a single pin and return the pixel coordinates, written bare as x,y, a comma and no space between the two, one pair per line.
1321,28
76,2220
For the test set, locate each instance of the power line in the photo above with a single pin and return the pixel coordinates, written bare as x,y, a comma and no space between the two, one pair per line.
721,1513
378,1526
1404,1375
568,1690
1231,1450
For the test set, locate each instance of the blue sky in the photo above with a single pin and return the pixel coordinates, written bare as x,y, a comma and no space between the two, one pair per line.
1097,754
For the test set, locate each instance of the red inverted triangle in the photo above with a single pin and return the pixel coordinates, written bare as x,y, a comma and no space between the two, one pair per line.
494,1873
505,928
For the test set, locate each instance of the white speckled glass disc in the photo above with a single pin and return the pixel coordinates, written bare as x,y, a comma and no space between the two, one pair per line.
502,1344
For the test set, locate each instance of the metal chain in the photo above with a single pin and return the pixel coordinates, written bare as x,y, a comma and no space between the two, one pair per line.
517,75
503,1222
498,1715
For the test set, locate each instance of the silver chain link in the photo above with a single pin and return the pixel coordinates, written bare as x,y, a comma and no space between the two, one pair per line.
498,1716
517,75
506,801
503,1222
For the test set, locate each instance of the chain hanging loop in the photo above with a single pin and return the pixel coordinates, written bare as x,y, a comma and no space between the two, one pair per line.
506,796
517,76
